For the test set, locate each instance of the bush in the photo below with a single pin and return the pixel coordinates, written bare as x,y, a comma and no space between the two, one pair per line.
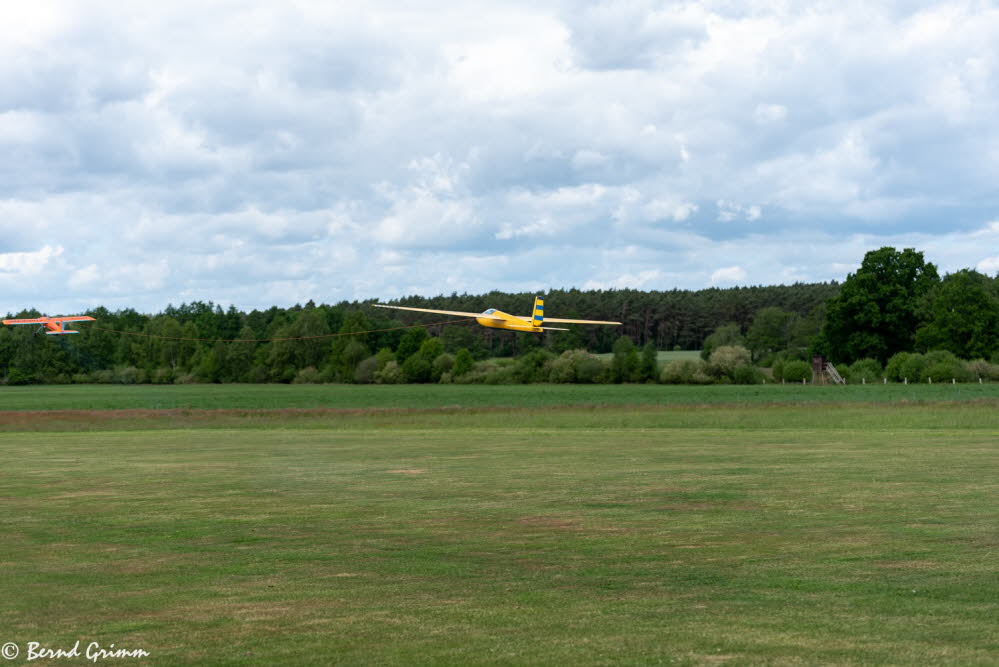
256,375
979,368
534,366
725,360
796,371
893,369
501,375
685,371
463,362
390,374
905,365
162,376
417,369
943,366
444,363
308,375
862,370
747,375
130,375
365,371
727,335
19,377
913,367
575,366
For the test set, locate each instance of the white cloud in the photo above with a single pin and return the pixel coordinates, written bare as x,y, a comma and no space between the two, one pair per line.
28,263
370,149
729,275
989,265
770,113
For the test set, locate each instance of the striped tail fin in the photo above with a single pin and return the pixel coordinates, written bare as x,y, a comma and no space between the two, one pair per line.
538,317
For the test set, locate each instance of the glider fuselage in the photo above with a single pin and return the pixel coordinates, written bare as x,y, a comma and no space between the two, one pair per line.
497,319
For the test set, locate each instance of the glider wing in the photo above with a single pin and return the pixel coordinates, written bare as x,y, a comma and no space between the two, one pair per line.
428,310
562,321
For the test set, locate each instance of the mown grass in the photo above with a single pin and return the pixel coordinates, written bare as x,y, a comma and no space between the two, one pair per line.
564,535
352,397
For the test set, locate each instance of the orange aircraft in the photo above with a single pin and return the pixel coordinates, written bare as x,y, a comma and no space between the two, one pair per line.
53,325
497,319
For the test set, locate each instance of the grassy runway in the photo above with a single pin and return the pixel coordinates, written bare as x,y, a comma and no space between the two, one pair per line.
743,534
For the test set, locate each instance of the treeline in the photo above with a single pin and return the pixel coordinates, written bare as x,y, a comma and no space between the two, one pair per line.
202,342
894,318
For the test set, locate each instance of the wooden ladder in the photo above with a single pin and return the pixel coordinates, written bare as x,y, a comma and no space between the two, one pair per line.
834,374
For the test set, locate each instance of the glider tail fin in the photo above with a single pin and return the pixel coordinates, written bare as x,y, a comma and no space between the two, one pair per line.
538,316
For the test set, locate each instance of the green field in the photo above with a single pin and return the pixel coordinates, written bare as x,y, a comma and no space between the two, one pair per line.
665,356
570,528
354,397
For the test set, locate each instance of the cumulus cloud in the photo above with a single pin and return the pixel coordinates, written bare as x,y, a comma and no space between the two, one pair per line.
262,153
729,275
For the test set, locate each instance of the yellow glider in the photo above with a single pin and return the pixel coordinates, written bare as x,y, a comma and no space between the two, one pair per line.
497,319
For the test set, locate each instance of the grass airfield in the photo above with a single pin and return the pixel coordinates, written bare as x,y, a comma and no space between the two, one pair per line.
688,526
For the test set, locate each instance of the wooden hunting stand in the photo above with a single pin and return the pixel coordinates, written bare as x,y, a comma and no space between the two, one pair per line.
823,371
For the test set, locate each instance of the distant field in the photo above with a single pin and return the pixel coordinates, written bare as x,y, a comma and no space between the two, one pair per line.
666,356
352,397
854,534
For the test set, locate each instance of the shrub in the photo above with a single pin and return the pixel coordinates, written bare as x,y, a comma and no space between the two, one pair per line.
575,366
796,371
727,335
905,365
726,359
533,366
18,377
913,367
417,369
365,371
943,366
130,375
162,376
444,363
256,375
862,370
390,374
308,375
893,369
747,375
979,368
463,362
501,375
685,371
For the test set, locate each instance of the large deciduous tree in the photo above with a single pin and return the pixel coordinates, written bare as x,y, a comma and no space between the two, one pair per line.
877,311
962,315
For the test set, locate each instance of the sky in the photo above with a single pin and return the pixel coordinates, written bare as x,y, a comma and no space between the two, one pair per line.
269,153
